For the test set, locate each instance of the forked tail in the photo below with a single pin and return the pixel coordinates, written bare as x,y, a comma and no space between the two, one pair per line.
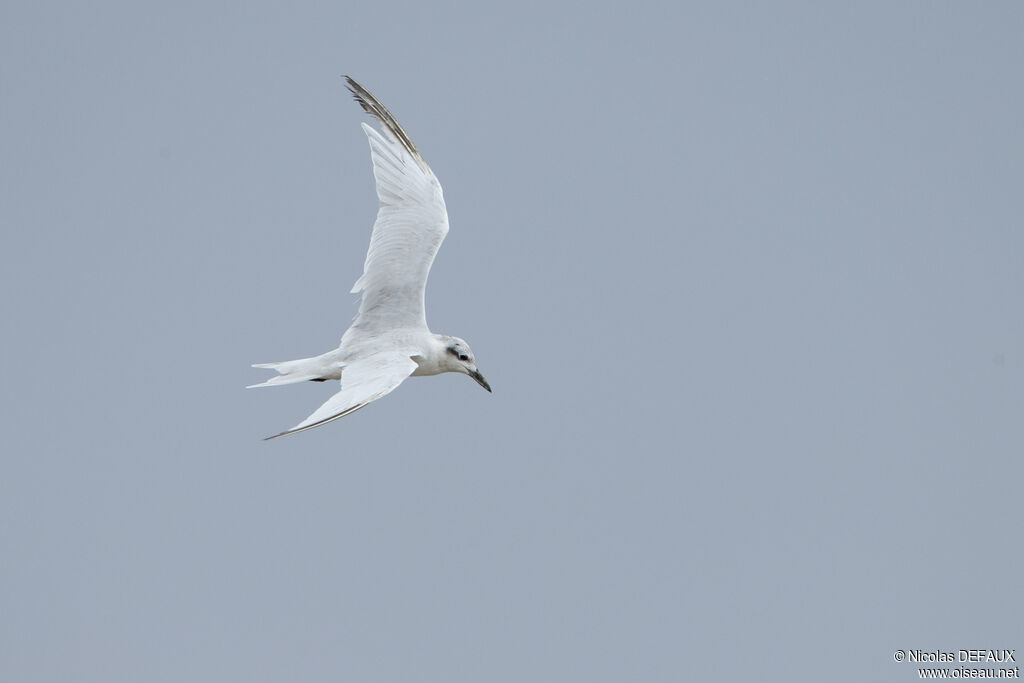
292,371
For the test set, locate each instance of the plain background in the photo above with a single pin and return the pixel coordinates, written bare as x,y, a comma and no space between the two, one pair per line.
746,279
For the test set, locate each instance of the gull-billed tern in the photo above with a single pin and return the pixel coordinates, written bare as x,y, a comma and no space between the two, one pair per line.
389,339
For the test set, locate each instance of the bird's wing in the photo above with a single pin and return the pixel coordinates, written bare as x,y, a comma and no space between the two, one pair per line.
362,382
411,224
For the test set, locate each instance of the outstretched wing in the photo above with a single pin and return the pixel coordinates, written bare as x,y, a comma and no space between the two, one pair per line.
362,382
411,224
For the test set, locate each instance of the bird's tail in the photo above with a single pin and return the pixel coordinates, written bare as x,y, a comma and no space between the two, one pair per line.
291,371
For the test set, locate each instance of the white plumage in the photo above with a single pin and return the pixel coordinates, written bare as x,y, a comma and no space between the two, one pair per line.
389,339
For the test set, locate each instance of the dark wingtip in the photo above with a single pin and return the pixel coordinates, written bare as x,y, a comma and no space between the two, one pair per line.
353,86
372,106
365,99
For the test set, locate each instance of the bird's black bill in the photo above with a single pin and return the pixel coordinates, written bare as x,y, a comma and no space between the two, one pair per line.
480,380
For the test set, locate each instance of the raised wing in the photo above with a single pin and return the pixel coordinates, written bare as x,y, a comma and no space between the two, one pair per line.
411,224
362,383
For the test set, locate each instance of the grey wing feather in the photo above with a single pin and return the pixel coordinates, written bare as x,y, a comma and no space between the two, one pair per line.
371,106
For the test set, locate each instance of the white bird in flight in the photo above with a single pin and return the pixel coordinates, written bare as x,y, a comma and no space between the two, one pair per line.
389,339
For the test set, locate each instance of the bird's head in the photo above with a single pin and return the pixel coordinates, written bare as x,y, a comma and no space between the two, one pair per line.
459,358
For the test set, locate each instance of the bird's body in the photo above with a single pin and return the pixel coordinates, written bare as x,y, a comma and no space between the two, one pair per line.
389,340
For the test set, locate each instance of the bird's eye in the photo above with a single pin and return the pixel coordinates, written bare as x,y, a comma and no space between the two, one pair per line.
463,357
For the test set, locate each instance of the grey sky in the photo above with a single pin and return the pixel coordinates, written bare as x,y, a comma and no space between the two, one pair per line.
746,282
